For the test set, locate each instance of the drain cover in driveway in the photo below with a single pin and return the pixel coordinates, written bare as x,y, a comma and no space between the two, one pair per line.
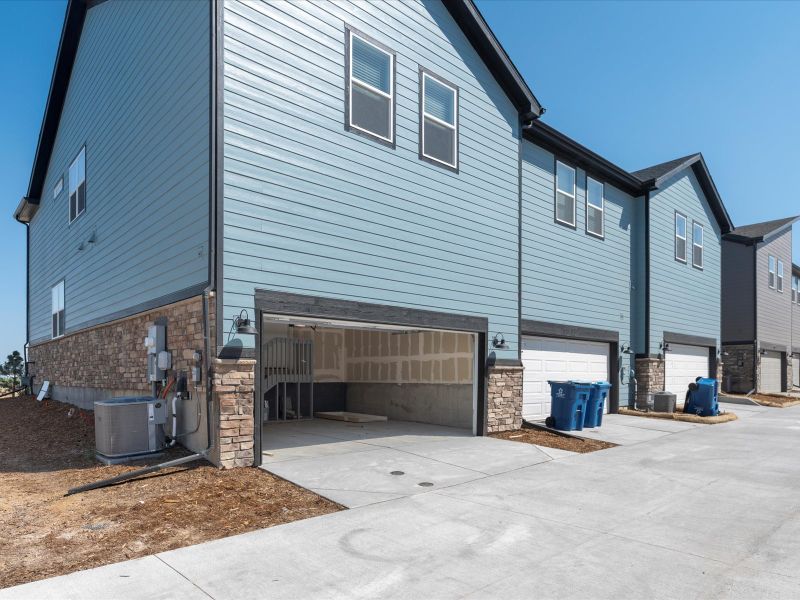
425,484
397,473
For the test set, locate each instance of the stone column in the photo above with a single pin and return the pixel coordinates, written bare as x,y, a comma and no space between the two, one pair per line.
234,394
739,362
504,391
650,373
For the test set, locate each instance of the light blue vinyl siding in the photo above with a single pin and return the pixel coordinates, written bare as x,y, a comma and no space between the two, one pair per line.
570,277
312,208
683,299
138,100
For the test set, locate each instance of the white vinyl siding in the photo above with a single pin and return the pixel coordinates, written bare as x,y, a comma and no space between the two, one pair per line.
595,207
77,186
680,237
565,194
371,85
697,245
771,272
439,129
57,309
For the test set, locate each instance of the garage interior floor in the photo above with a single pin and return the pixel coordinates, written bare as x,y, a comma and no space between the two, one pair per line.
356,464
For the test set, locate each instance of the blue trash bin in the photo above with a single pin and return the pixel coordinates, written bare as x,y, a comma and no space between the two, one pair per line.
596,404
702,398
568,405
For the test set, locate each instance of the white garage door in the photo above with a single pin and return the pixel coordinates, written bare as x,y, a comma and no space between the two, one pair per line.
771,378
796,371
684,364
556,359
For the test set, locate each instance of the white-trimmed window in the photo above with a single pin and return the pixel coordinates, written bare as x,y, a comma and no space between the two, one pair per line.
697,245
57,312
595,207
680,237
794,289
58,187
565,194
771,267
77,186
780,275
370,97
439,127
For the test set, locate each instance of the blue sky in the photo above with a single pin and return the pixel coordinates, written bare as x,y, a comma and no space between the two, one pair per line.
638,82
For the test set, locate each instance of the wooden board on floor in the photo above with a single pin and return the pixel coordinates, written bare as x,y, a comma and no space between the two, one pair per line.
349,417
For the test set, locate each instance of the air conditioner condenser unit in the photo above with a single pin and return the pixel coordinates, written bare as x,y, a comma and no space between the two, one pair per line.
128,428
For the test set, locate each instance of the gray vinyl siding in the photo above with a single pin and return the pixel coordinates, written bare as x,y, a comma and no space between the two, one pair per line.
314,209
774,307
683,299
138,100
570,277
738,295
796,328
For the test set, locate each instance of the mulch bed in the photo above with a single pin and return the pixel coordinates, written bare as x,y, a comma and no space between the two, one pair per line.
680,416
534,435
775,401
47,448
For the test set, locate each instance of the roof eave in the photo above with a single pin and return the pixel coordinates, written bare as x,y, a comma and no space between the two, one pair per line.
26,210
480,35
555,141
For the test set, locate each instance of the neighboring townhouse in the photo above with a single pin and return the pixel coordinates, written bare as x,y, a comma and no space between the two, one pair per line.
610,261
758,307
685,220
795,326
341,179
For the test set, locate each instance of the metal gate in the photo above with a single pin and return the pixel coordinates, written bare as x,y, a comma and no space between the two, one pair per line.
288,369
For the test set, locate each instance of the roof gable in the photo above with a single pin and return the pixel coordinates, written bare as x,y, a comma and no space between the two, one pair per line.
758,232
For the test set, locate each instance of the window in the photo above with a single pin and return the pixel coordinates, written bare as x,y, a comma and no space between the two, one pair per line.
697,245
595,207
77,186
370,99
780,276
680,237
565,194
58,187
794,289
57,298
772,272
439,120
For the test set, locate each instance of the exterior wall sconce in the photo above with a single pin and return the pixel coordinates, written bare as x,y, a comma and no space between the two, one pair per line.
499,342
665,346
626,349
243,324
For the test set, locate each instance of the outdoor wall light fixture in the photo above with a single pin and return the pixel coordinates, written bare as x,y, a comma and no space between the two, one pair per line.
665,346
243,324
626,349
499,342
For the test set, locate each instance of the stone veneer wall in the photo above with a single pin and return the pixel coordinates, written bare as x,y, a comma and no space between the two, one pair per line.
234,393
504,391
110,360
739,367
650,374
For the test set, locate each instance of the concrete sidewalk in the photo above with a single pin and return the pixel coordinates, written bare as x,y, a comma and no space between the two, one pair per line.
709,512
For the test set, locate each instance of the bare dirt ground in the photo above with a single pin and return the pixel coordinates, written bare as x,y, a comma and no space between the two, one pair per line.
533,435
47,448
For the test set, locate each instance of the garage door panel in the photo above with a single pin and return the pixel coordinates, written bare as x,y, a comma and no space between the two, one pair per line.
796,371
771,371
684,364
556,359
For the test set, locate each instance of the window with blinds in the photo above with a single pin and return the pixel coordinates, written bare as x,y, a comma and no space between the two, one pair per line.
371,102
439,126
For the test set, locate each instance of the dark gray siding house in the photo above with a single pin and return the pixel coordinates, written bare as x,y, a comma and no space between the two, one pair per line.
758,305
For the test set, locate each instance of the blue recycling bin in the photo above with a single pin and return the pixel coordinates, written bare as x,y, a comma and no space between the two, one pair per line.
702,398
568,405
596,404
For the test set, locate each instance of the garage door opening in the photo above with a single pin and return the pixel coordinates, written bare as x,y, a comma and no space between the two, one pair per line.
312,369
555,359
771,371
683,365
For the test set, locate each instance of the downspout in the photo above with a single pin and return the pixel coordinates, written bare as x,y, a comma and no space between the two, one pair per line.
756,349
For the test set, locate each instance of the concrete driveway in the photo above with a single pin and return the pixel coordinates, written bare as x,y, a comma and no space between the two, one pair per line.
709,512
